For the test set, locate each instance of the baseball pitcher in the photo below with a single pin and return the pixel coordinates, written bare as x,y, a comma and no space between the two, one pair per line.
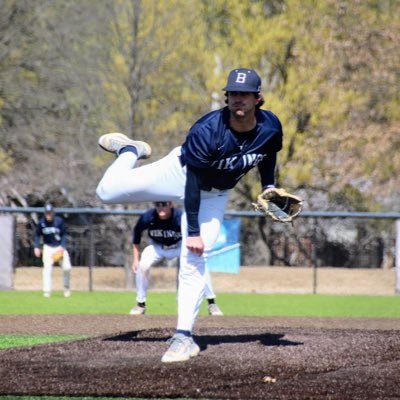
220,148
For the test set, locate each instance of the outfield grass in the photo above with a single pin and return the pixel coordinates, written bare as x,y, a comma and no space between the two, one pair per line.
29,303
21,302
7,341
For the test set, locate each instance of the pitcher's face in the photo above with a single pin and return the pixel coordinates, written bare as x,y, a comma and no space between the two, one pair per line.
242,103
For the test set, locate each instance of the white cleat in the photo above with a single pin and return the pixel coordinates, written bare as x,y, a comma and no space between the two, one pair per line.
47,295
114,142
214,310
137,310
67,293
181,348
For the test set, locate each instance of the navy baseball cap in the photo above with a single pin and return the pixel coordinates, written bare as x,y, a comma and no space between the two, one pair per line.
243,80
48,208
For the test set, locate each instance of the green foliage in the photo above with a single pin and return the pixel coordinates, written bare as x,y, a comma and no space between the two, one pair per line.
311,80
159,72
71,71
6,162
351,198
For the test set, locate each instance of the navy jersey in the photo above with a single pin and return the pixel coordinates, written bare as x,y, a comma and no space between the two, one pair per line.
54,233
221,156
218,157
166,232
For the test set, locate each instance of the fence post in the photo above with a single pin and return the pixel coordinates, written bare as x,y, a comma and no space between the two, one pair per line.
314,262
7,250
129,278
91,252
397,256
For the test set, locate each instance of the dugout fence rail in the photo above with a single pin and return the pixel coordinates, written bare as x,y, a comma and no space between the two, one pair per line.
87,231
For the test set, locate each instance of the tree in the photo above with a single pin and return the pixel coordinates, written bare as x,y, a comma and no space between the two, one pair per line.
156,80
47,95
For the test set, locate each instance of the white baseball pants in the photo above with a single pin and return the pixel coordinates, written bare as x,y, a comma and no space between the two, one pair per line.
164,180
151,255
48,264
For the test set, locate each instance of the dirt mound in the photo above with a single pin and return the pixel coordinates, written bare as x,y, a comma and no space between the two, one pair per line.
241,358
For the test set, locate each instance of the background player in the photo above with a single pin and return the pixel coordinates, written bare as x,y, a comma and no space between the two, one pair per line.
163,225
53,230
221,147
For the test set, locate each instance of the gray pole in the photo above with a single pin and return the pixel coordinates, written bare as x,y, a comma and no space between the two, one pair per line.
397,259
314,267
91,253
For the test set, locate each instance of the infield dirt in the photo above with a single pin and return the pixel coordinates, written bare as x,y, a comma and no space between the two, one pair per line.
240,358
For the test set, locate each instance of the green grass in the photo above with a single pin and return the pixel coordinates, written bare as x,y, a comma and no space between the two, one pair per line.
29,303
7,341
21,302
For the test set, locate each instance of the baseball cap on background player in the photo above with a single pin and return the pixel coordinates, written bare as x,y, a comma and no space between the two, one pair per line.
48,208
243,80
160,204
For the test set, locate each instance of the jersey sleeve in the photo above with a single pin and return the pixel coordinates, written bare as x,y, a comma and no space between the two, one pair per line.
276,142
198,150
38,234
192,201
140,226
267,166
199,147
266,169
63,233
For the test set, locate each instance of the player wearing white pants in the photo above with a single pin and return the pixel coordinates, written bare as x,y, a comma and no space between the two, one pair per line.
220,148
152,254
163,226
53,231
155,253
48,263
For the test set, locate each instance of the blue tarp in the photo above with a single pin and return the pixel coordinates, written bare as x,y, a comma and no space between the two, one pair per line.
225,255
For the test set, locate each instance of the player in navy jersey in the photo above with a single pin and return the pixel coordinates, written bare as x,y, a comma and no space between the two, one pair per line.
52,230
219,150
163,225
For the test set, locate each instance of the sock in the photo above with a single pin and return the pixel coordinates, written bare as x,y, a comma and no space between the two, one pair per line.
143,305
132,149
186,333
211,301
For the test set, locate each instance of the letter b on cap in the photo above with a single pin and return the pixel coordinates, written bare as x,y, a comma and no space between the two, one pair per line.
241,77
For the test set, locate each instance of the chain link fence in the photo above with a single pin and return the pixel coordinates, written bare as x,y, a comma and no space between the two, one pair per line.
99,237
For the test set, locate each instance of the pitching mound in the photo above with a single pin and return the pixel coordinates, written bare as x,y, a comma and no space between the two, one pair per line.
241,358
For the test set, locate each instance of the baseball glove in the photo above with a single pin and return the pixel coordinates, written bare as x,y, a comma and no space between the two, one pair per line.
58,255
278,204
